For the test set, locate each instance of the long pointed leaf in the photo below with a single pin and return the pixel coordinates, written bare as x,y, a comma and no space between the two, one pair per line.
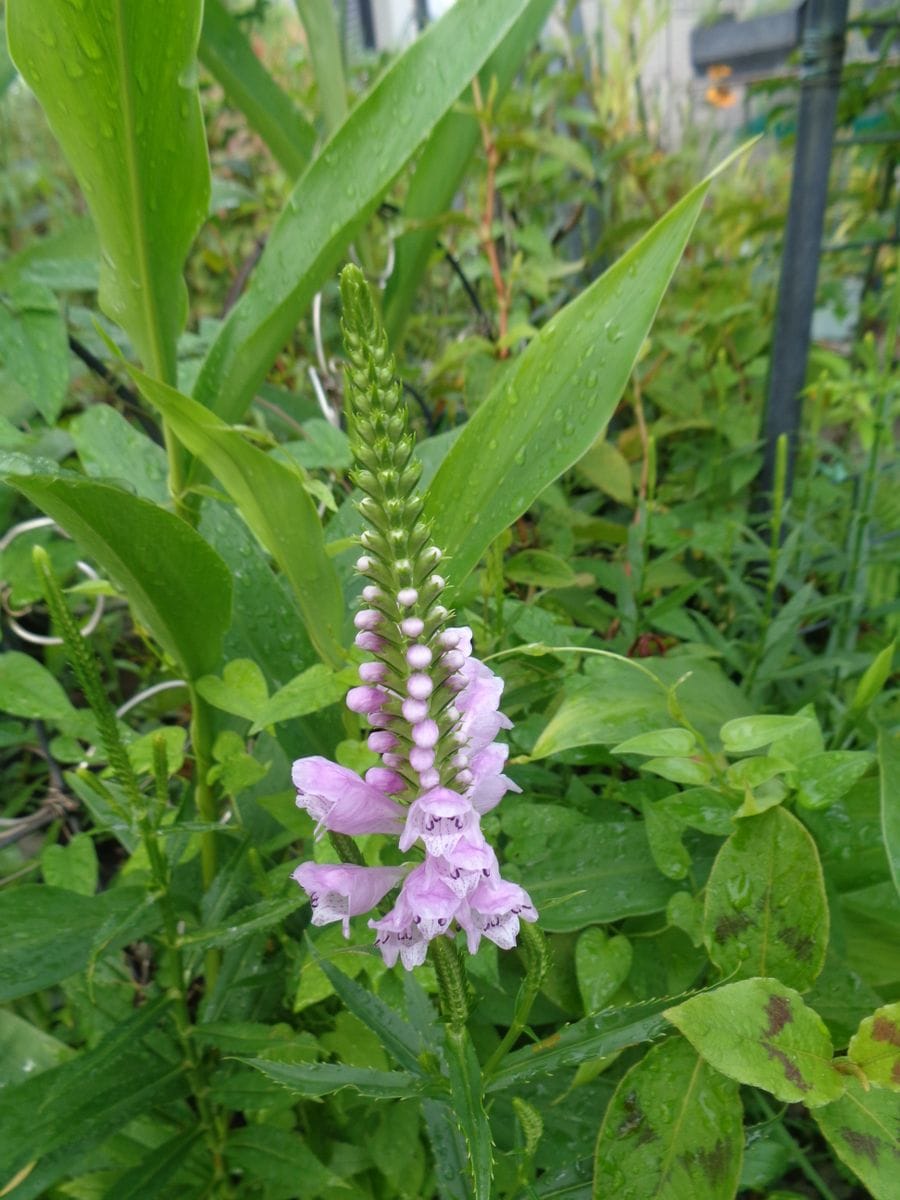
177,585
365,154
118,85
467,1100
274,503
441,167
227,55
554,402
319,24
321,1079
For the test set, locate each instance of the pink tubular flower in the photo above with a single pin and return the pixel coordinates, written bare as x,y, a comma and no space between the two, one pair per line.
337,799
341,891
495,908
439,818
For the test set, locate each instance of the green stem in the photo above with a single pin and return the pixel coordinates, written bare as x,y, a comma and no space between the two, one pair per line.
537,964
207,811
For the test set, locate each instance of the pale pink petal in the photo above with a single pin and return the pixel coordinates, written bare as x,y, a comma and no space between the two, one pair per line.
340,891
337,799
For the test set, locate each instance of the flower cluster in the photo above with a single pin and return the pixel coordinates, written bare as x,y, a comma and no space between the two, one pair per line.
433,707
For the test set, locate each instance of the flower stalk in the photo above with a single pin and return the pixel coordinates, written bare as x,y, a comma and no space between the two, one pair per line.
432,709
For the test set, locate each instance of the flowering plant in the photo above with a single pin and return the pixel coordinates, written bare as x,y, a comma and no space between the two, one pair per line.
433,707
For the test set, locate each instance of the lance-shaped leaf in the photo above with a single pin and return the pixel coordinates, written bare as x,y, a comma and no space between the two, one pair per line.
760,1032
766,910
321,1079
593,1037
442,164
467,1102
227,55
551,405
366,153
118,84
273,502
673,1128
177,585
320,27
862,1129
876,1047
889,763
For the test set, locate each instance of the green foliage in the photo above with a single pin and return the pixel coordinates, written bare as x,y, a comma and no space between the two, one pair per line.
702,694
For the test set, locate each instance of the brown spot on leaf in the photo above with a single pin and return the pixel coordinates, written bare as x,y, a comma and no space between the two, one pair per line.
801,944
714,1163
635,1121
778,1010
884,1030
895,1071
791,1070
729,927
863,1144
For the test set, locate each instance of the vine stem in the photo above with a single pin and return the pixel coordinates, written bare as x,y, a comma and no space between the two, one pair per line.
537,960
492,157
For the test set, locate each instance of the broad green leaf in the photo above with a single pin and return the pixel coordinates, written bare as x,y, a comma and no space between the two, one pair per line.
321,1079
397,1036
314,689
177,585
63,261
825,778
672,1131
467,1101
744,734
680,770
664,742
889,762
608,470
602,964
27,689
664,838
442,164
539,568
34,353
876,1047
766,910
51,933
281,1160
241,690
369,149
320,27
118,84
227,55
56,1118
273,502
594,1037
585,874
761,1033
554,401
73,867
109,447
861,1128
617,699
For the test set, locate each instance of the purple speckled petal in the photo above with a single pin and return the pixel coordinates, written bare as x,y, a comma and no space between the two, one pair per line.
340,891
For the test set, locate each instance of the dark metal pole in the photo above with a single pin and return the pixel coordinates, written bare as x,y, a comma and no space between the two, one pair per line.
822,51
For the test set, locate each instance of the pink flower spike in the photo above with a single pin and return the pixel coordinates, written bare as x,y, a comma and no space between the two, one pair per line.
400,936
414,710
412,626
366,640
440,818
365,699
431,901
385,780
371,593
373,672
337,799
367,618
426,734
407,597
453,659
429,778
421,759
462,638
394,761
381,741
419,687
495,908
339,892
418,657
489,785
470,862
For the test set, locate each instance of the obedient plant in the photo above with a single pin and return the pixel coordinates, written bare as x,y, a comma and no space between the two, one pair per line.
433,707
